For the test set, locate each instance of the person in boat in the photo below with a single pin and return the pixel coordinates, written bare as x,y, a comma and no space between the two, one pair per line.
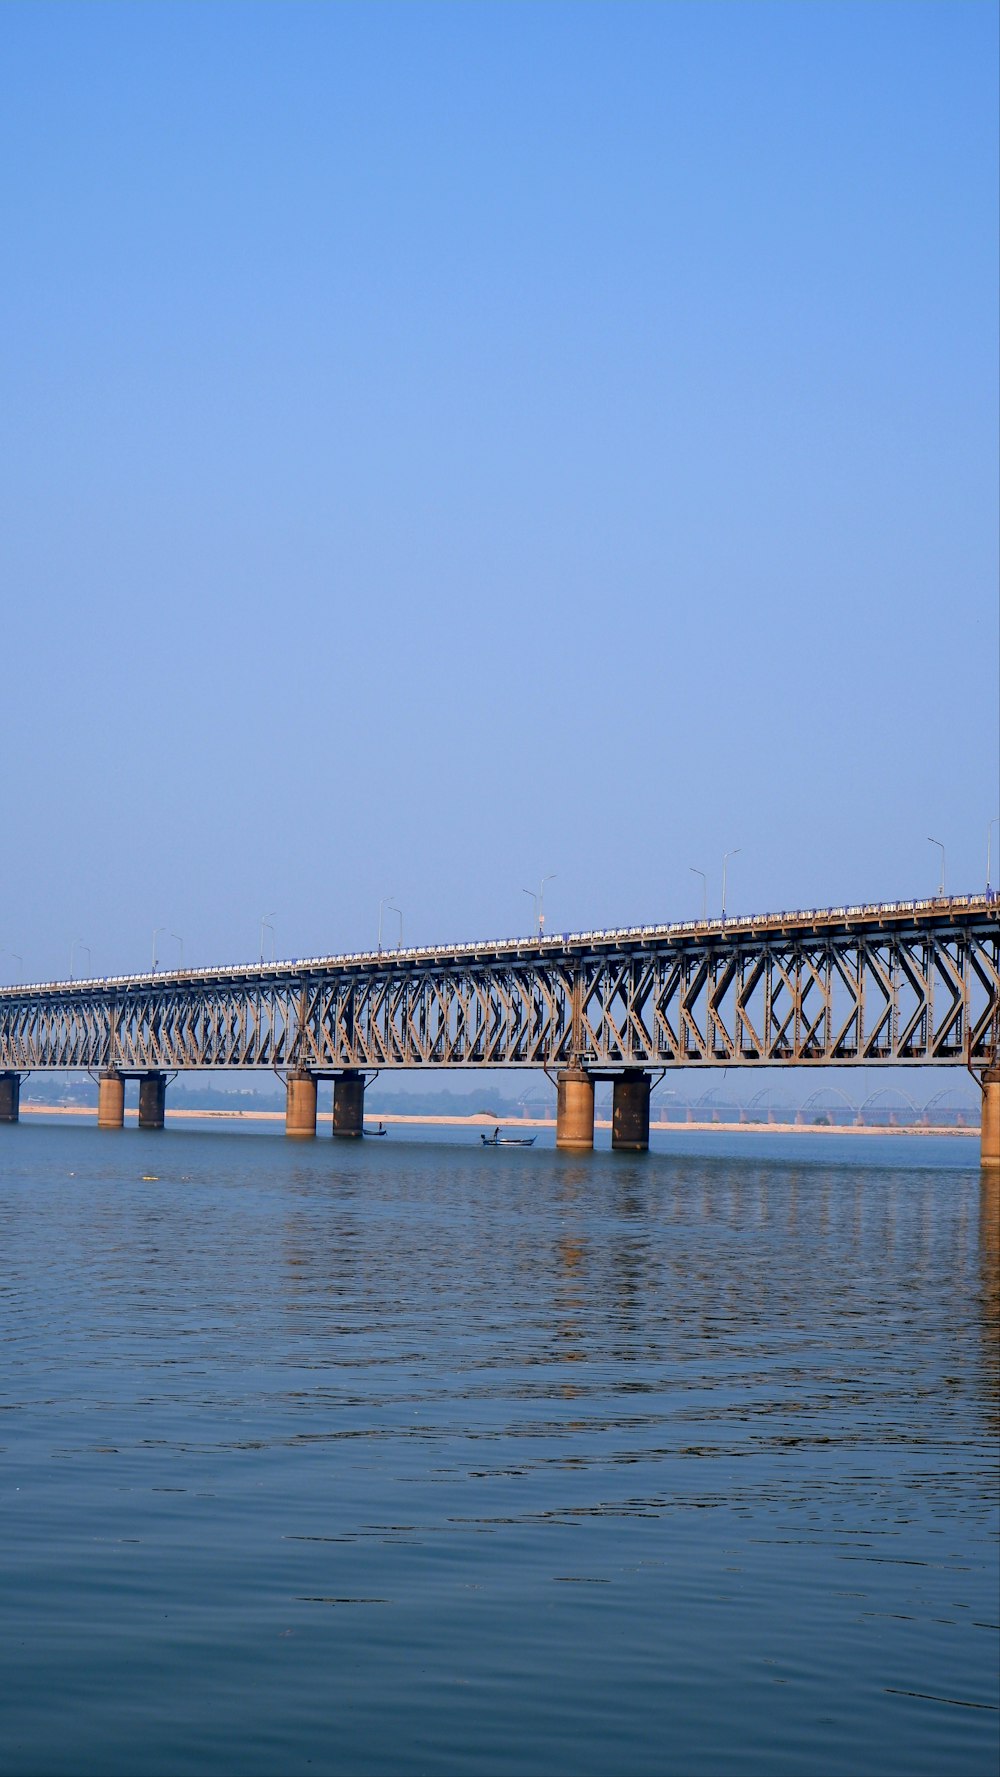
496,1133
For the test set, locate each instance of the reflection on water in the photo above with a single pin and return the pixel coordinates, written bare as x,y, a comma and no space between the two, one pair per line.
432,1458
989,1288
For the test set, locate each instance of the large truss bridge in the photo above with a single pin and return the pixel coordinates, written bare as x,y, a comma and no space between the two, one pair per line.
899,983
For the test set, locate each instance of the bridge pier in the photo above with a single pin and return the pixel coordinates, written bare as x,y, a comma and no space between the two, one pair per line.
300,1104
630,1112
989,1148
110,1101
349,1104
10,1097
574,1109
152,1100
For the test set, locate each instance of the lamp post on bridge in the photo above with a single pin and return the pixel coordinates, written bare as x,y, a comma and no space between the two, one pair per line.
77,943
989,846
180,941
704,891
156,932
539,900
937,842
266,926
729,854
392,908
386,901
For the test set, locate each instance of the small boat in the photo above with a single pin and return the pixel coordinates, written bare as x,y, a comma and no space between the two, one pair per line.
496,1140
381,1130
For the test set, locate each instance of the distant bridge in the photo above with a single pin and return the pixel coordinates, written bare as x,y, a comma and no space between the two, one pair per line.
895,983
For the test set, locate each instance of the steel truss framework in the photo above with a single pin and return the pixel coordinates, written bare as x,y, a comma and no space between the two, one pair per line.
917,988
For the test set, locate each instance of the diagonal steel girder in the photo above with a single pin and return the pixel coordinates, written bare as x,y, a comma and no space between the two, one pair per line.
877,995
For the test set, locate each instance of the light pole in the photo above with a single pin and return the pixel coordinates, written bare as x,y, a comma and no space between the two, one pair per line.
385,901
937,842
180,941
989,845
539,900
77,942
391,905
20,962
265,925
730,854
156,932
704,890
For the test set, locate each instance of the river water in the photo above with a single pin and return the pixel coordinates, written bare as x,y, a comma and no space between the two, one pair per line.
408,1456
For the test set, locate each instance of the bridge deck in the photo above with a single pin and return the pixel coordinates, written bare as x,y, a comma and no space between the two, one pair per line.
886,916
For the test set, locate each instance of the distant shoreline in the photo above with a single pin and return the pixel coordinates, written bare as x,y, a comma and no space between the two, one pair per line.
479,1121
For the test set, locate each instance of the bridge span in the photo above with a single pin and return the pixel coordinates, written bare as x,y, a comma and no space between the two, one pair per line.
902,983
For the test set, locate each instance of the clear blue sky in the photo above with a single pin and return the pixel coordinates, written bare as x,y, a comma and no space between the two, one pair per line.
444,444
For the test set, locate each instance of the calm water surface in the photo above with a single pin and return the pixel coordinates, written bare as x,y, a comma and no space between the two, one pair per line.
413,1457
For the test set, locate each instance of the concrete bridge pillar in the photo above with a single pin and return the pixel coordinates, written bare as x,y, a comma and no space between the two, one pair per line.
110,1101
10,1097
152,1100
989,1151
349,1104
574,1109
300,1104
630,1112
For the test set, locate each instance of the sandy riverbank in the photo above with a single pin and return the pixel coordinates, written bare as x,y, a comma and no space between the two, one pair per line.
481,1122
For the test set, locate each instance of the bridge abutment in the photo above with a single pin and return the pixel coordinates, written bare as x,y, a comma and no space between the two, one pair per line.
989,1149
574,1109
630,1112
10,1097
152,1100
349,1104
110,1101
300,1105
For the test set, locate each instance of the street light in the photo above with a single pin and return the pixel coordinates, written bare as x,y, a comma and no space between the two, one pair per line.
180,941
392,908
265,925
384,902
77,942
156,932
20,961
704,890
937,842
539,900
730,854
989,842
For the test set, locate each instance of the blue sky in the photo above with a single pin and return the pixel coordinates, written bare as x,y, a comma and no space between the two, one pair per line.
444,445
